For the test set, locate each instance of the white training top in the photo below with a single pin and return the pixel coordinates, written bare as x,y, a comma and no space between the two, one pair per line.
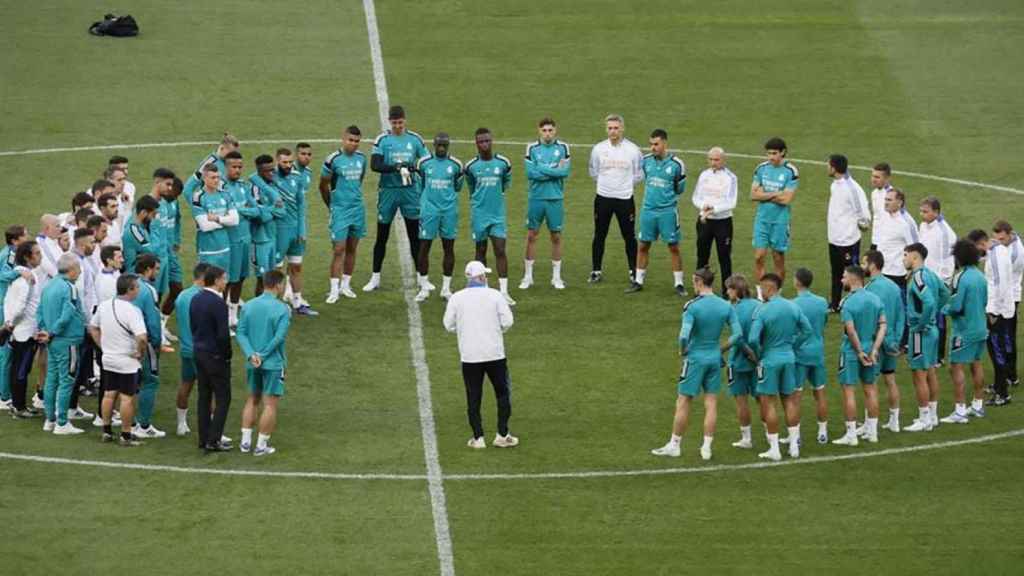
120,322
86,285
479,315
51,252
1016,248
616,168
847,210
999,274
878,208
21,303
938,237
718,189
893,232
106,285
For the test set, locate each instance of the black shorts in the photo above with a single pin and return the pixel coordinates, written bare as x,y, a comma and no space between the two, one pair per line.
127,384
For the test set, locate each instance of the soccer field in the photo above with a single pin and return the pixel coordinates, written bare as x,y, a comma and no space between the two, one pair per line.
372,475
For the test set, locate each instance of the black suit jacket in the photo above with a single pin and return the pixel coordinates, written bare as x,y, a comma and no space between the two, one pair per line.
208,318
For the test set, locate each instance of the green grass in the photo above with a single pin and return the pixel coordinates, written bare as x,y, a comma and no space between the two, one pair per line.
929,86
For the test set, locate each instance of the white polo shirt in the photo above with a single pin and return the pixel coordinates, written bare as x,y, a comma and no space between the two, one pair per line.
877,209
479,316
938,237
120,322
616,168
893,232
718,189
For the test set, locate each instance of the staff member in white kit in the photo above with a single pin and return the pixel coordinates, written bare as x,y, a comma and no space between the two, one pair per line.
938,237
848,215
615,166
715,199
480,315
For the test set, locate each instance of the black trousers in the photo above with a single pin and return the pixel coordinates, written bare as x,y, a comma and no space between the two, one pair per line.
719,232
86,352
625,212
999,349
473,376
214,375
839,257
23,354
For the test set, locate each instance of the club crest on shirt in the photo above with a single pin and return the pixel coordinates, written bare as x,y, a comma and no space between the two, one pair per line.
497,170
408,145
450,170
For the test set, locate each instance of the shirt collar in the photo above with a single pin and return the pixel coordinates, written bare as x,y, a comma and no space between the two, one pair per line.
213,291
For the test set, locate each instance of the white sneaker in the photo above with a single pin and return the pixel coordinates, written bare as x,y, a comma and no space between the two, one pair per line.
430,287
304,302
37,403
225,439
79,414
919,426
557,284
892,425
705,453
245,447
861,431
745,444
97,421
955,418
68,429
509,299
265,451
507,441
871,438
935,420
773,455
150,432
5,405
49,425
423,294
477,443
526,283
784,441
169,336
446,294
671,450
823,438
371,285
347,292
332,298
846,440
183,429
794,448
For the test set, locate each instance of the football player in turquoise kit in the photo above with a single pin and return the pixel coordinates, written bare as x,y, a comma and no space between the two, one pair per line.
810,354
172,211
148,268
864,326
239,191
440,177
488,177
304,177
228,143
162,228
704,319
923,297
264,229
188,362
261,336
970,331
742,361
290,184
136,238
891,296
214,213
773,188
394,157
341,188
664,180
547,167
778,325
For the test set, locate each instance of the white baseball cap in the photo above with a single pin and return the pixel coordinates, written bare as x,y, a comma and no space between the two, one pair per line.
476,268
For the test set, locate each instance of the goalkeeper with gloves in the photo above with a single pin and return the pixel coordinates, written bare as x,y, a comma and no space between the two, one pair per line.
395,154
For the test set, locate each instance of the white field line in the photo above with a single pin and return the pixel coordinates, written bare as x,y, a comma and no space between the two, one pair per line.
435,480
582,474
693,152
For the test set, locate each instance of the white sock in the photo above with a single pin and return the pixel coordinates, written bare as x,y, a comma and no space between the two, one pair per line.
865,414
745,432
675,440
346,280
640,274
335,285
233,308
707,442
261,440
823,428
446,283
246,435
933,408
960,408
297,297
923,414
794,433
163,321
977,404
529,268
556,269
851,427
421,280
872,426
182,415
678,278
894,414
503,285
773,442
375,278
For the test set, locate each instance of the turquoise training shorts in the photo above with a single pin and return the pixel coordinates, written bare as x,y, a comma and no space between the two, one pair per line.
773,235
240,258
776,379
698,377
539,211
655,224
445,224
484,228
269,382
391,200
741,383
814,375
221,260
887,361
289,244
264,256
923,349
347,223
961,352
852,372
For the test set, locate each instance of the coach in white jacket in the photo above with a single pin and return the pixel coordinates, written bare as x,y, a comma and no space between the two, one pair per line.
615,164
894,230
479,315
848,215
715,199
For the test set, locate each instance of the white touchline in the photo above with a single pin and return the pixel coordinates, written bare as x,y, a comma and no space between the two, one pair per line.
435,479
580,474
694,152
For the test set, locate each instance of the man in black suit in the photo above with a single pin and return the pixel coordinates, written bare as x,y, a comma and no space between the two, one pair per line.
211,343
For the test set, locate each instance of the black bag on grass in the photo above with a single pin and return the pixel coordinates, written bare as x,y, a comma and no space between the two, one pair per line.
118,26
